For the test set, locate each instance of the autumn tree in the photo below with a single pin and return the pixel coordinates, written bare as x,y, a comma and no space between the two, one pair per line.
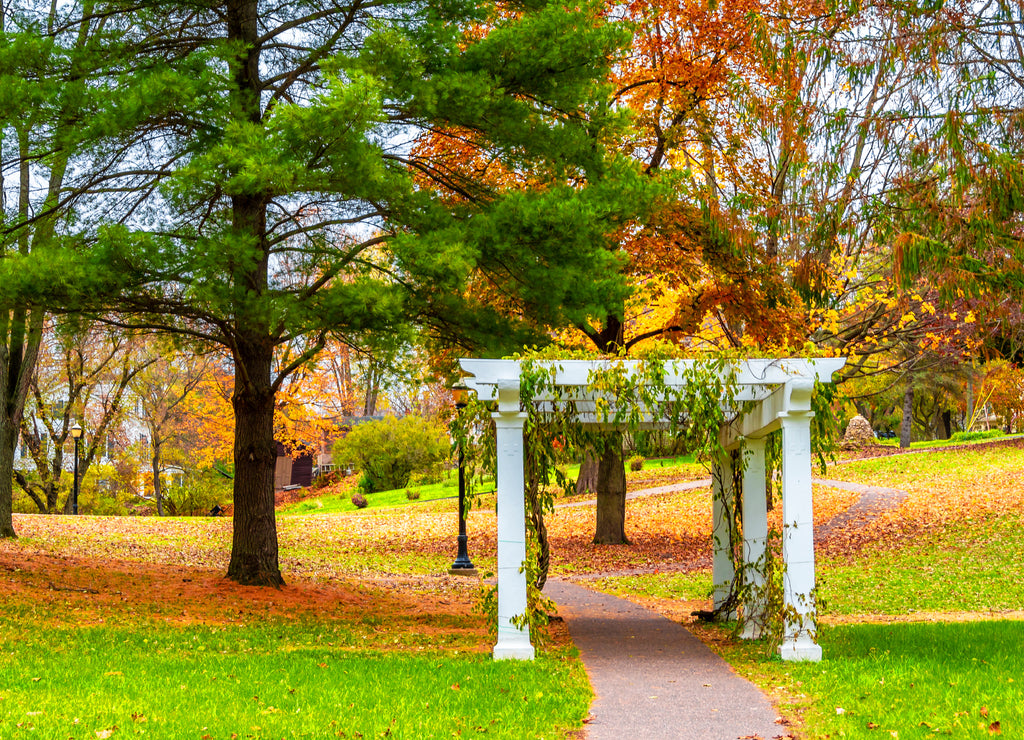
82,375
161,389
206,425
1004,389
283,198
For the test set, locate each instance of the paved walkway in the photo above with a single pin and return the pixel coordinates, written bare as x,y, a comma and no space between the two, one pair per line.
653,679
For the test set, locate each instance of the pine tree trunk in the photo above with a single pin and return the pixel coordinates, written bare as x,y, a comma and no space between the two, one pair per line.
908,415
611,494
254,551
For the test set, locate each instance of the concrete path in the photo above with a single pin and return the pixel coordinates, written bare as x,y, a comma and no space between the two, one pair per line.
653,679
672,488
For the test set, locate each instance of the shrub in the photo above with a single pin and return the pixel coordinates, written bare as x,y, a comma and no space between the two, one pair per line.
388,451
359,500
326,479
411,494
636,463
975,436
197,494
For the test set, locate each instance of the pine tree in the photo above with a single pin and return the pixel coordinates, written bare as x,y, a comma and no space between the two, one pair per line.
288,201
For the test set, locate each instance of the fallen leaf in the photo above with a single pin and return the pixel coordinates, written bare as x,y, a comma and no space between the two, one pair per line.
994,729
984,711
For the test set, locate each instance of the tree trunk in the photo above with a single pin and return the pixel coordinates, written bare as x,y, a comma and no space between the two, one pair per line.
254,552
947,424
908,414
158,490
8,444
610,484
611,494
587,480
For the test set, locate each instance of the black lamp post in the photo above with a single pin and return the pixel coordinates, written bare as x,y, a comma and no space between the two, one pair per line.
462,565
76,433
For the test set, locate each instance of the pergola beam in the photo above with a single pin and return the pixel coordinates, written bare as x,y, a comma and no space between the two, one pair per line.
756,372
794,396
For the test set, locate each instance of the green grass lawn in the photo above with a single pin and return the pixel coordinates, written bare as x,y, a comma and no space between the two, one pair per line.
919,680
976,566
272,680
341,503
929,444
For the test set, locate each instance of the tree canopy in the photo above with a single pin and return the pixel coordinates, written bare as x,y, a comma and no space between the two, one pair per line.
276,195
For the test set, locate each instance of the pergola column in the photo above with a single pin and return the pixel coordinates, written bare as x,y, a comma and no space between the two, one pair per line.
513,641
722,500
798,539
755,537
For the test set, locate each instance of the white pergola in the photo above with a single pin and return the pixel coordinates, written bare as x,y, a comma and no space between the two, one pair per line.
780,391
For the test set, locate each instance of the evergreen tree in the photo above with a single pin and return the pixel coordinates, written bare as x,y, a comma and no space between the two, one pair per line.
290,200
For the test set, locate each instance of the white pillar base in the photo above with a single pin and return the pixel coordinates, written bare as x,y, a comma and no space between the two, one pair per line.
513,651
801,647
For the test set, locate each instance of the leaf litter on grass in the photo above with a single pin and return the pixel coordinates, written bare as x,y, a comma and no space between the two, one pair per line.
945,488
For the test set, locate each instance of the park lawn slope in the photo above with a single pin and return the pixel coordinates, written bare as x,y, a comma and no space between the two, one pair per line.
110,649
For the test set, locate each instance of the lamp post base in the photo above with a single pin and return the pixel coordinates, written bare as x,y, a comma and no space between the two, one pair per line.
462,566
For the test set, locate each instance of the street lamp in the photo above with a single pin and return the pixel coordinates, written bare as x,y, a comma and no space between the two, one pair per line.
462,565
76,433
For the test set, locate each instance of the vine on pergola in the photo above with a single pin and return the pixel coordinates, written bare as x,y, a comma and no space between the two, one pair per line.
562,422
